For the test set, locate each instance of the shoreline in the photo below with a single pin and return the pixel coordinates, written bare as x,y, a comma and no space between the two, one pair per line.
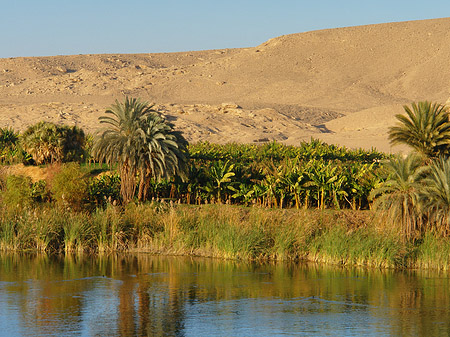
343,238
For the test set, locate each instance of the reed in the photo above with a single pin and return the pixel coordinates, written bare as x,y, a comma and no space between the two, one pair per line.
77,232
108,229
432,253
224,231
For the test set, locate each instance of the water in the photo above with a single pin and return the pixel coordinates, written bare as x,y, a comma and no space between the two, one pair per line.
145,295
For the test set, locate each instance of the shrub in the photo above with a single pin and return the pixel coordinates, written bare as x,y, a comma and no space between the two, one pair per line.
104,188
8,145
69,187
40,192
17,192
48,143
8,137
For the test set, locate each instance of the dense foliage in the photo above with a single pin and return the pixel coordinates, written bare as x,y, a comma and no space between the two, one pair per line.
296,177
416,194
425,128
48,143
149,160
139,141
313,174
10,151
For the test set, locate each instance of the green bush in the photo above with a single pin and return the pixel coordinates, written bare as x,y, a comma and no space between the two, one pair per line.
9,150
17,194
69,187
40,192
48,143
104,189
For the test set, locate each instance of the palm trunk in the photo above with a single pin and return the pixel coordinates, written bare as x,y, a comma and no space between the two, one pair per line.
322,199
127,183
172,191
144,184
307,199
141,188
188,198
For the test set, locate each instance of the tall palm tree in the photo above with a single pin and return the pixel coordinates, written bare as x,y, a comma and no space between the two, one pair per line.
426,129
162,152
437,194
399,197
139,140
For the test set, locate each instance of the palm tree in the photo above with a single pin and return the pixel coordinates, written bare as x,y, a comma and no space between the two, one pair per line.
74,143
426,129
48,143
162,152
437,194
399,197
43,142
139,140
8,144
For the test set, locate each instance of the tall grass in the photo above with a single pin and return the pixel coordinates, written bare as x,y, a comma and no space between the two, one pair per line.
224,231
433,252
77,231
108,229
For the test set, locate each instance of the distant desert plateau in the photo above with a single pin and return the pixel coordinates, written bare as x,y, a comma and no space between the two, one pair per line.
343,85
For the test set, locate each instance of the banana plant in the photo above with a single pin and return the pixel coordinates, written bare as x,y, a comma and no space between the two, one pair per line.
322,176
221,173
244,193
361,180
338,187
297,181
260,193
196,179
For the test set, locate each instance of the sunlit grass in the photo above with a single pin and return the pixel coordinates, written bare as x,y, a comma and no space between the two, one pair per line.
346,238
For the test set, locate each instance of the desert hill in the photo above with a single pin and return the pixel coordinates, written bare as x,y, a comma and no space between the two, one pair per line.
341,85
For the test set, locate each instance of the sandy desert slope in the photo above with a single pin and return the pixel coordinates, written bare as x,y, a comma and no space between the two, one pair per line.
341,85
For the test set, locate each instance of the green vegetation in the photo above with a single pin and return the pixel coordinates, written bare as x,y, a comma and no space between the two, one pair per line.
304,199
425,128
313,174
416,194
140,141
8,147
224,231
69,187
49,143
399,195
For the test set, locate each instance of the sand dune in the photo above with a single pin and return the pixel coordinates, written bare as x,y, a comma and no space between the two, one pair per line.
341,85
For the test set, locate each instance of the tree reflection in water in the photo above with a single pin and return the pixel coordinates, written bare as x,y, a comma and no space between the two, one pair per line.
143,295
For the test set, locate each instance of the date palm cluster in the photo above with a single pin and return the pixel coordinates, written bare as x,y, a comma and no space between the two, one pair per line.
416,194
48,143
142,143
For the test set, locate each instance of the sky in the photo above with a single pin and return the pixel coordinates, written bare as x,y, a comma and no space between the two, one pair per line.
62,27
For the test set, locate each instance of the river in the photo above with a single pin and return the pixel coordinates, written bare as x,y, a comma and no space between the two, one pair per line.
145,295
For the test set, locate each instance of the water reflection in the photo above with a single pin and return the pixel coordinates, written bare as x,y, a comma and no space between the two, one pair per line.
144,295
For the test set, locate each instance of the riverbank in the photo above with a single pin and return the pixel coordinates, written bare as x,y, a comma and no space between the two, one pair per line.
345,237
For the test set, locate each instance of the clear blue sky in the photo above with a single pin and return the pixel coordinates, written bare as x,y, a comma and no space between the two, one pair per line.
62,27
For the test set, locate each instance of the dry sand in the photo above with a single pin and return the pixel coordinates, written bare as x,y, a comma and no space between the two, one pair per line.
341,85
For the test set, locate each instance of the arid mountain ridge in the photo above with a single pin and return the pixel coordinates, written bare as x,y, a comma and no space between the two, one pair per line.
341,85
